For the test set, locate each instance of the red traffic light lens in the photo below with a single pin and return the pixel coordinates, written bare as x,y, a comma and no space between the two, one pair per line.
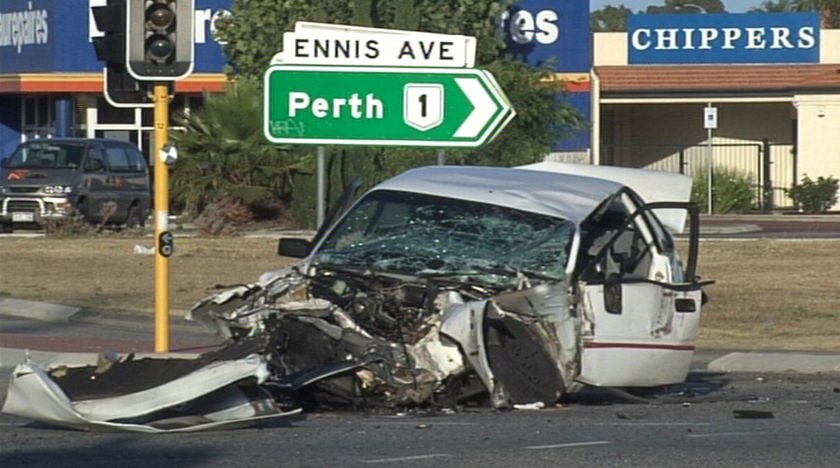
160,16
159,48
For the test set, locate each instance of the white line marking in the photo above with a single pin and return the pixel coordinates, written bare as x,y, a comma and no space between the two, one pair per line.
399,459
572,444
430,423
654,424
726,434
835,424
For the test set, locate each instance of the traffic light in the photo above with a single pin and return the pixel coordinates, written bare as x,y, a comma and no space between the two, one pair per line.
110,20
121,90
160,39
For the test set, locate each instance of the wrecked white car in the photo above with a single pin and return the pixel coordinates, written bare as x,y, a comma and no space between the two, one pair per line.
441,286
448,283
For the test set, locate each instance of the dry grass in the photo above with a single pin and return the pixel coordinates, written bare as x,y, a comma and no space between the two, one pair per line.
768,294
772,295
104,273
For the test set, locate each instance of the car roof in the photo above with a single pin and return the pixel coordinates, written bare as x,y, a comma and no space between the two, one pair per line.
570,197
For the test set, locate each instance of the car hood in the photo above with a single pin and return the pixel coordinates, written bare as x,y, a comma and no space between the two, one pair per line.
38,177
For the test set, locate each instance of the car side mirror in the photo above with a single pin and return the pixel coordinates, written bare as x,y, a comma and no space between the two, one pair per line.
294,247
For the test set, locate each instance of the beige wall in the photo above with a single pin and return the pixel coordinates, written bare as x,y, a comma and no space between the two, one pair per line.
819,135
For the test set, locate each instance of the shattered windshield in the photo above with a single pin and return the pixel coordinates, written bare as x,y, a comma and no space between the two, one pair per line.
426,235
47,155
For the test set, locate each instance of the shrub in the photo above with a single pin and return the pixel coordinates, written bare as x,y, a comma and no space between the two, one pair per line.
733,191
814,196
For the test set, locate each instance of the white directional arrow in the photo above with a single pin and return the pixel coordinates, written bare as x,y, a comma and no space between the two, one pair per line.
484,108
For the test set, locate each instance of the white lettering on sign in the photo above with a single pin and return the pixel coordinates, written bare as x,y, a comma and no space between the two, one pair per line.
524,27
23,28
724,38
336,108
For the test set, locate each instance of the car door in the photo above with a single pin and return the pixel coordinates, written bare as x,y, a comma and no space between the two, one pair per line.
95,185
121,175
639,308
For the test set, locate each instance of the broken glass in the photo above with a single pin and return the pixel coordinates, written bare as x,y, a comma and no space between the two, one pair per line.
419,234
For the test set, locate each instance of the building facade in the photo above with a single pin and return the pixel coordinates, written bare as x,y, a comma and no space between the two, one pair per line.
774,80
51,82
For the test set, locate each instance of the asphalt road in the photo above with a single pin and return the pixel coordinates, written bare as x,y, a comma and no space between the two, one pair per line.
716,419
788,420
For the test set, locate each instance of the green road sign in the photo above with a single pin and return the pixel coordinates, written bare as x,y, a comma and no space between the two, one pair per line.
446,107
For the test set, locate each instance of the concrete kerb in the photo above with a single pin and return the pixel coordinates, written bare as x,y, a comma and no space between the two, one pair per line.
37,310
777,362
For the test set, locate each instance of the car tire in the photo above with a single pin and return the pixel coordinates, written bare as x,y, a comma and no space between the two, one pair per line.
82,209
134,218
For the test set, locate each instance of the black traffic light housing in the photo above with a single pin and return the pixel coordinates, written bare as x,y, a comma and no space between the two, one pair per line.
110,20
161,39
121,89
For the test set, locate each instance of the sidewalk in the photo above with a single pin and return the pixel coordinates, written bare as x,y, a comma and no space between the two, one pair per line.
64,345
55,334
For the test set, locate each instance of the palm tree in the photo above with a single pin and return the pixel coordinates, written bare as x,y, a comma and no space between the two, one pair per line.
223,156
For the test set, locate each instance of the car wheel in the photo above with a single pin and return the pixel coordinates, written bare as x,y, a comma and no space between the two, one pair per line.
82,210
134,218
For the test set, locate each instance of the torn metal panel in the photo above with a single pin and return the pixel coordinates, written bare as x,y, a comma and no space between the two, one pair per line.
213,396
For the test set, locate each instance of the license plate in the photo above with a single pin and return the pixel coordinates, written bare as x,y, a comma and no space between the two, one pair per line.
23,217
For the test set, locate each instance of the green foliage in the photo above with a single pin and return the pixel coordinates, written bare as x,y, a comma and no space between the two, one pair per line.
223,154
815,196
733,191
829,10
610,19
679,6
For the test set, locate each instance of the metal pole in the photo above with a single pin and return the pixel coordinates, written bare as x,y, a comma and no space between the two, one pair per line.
441,157
322,184
161,218
709,167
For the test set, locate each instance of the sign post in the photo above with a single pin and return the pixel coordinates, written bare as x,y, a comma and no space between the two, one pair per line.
710,123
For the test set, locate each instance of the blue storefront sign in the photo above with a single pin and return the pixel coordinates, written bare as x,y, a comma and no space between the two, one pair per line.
724,38
555,34
47,36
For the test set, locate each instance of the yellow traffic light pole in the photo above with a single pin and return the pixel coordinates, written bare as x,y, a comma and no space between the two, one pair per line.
161,218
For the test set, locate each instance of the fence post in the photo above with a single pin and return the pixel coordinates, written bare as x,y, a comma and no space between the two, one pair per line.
767,180
682,160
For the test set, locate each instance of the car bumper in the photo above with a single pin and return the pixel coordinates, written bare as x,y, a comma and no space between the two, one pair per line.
34,209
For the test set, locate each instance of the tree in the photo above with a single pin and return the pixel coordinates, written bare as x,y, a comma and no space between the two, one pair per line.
692,7
829,10
223,156
254,33
610,19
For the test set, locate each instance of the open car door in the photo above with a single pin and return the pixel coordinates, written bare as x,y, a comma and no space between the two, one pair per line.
639,307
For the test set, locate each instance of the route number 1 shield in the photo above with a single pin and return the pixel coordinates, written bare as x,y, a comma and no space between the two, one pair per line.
423,105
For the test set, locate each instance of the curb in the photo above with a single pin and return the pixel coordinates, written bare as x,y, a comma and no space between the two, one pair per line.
777,363
42,311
